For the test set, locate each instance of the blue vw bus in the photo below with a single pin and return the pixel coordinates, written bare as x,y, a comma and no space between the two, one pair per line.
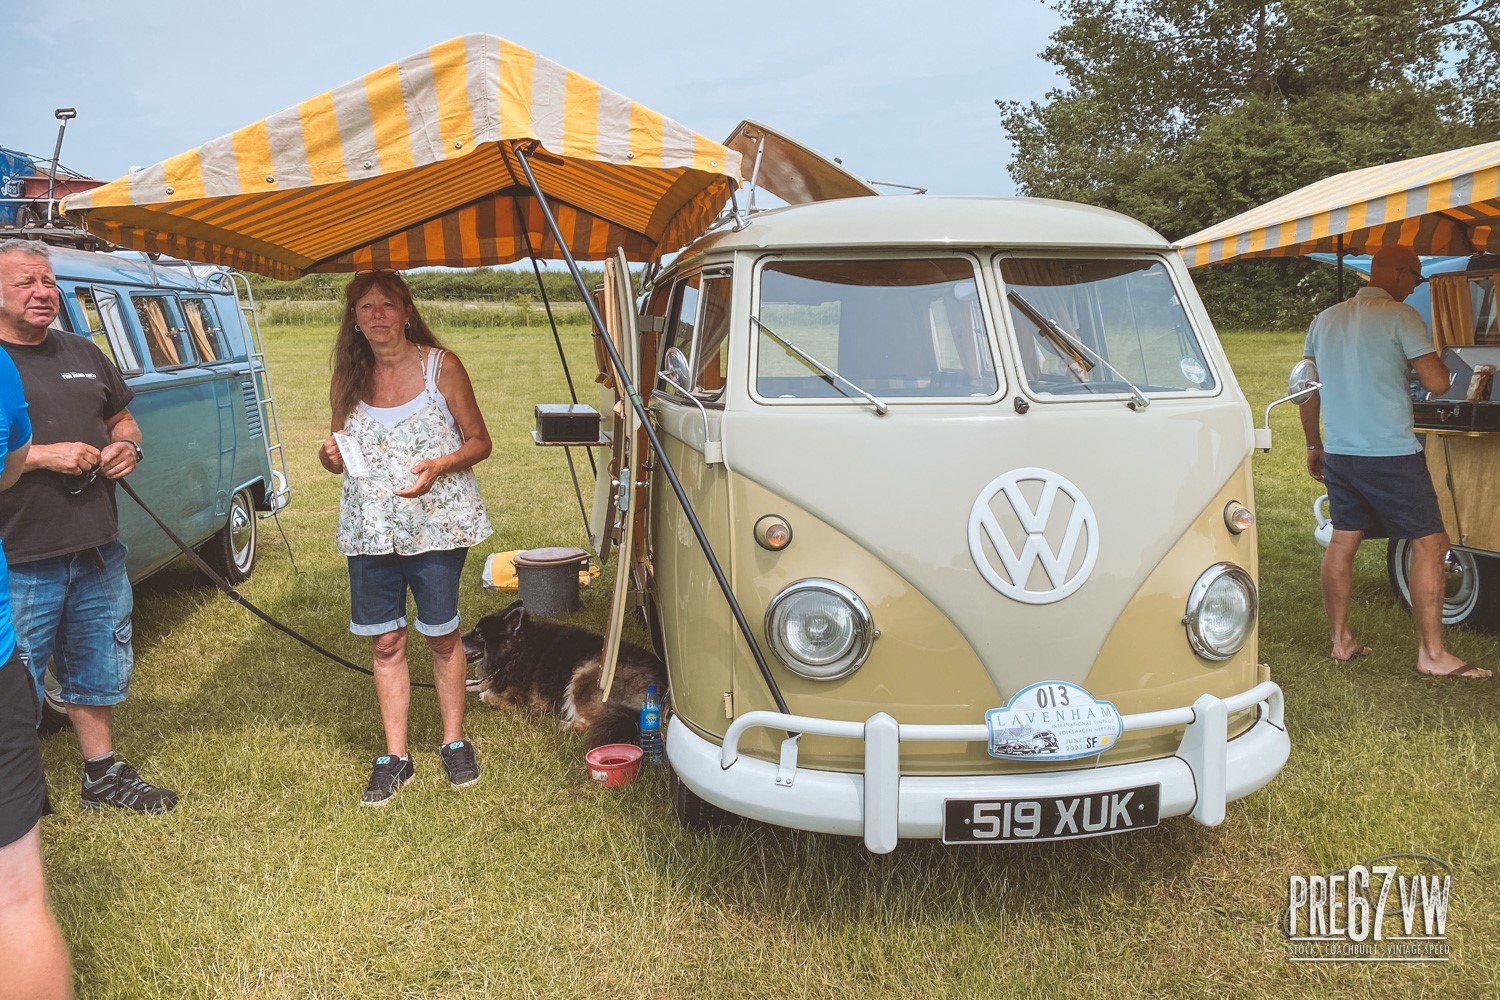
188,344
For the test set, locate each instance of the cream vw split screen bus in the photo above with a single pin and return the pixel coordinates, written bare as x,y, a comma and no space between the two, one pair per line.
978,473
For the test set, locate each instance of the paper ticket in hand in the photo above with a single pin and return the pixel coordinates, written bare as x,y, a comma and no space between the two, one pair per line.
354,459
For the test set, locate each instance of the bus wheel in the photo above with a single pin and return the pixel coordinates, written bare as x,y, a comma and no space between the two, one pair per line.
232,550
694,813
1471,585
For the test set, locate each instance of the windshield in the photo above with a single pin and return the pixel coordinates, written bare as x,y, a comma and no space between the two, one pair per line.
894,328
1124,311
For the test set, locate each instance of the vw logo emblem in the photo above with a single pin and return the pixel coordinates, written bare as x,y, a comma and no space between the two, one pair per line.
1053,531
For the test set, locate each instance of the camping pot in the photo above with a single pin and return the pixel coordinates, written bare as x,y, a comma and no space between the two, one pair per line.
1324,531
548,579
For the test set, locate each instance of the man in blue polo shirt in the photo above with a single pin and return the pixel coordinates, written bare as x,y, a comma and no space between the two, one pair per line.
1368,455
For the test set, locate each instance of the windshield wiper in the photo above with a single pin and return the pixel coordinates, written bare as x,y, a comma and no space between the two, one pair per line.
830,376
1074,350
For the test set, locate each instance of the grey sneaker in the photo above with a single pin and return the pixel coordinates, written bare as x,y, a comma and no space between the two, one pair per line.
387,775
123,788
460,763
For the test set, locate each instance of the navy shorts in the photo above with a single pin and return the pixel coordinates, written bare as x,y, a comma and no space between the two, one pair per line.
1384,496
378,586
23,787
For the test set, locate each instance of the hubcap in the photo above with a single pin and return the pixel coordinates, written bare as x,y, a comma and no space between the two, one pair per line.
1460,583
241,532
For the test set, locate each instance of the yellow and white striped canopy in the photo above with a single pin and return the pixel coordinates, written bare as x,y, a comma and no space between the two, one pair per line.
1446,203
415,164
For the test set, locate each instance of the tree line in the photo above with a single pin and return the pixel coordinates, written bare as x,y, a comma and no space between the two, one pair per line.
1183,113
483,284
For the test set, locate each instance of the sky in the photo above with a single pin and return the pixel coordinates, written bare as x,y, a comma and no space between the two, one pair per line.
899,91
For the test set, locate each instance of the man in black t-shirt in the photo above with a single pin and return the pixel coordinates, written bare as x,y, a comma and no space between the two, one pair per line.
70,597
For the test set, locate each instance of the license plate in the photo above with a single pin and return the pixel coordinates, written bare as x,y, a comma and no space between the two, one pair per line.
1068,817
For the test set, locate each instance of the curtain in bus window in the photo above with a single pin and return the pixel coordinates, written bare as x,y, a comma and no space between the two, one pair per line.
1452,313
158,332
194,310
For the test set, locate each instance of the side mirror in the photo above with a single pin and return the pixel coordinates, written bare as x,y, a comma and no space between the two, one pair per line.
679,377
1300,385
1303,381
677,368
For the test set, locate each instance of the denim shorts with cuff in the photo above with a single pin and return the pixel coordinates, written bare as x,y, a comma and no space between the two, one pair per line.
1384,496
75,611
378,586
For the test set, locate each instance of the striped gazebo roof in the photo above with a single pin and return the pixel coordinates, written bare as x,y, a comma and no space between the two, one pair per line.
415,164
1446,203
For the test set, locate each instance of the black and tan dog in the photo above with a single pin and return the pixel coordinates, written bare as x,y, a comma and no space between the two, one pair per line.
522,662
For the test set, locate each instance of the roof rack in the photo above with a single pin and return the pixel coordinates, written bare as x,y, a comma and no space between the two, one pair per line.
58,236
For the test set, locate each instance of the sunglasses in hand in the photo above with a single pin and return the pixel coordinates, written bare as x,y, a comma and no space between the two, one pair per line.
77,484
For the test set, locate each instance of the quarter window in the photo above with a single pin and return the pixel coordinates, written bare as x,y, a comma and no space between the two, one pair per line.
106,328
711,354
684,317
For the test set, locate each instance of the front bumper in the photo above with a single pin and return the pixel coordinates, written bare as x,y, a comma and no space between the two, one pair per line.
1207,771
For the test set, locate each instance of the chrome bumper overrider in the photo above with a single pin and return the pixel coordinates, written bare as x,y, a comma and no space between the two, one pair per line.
1207,771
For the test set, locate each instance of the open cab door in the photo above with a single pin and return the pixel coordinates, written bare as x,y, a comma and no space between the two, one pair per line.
625,511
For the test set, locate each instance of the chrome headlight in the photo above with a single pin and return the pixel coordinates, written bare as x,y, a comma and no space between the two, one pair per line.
1220,611
820,629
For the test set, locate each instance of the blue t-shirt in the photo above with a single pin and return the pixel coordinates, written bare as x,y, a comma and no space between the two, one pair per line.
1363,348
15,430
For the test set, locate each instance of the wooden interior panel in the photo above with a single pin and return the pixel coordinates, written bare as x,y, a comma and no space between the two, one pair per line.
1463,471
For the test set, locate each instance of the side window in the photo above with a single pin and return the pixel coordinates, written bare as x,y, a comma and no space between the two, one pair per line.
166,333
106,327
712,349
205,329
681,318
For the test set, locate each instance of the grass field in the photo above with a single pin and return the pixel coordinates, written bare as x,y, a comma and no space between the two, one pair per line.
269,881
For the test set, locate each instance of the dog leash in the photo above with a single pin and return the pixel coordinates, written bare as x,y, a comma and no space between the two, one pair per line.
236,597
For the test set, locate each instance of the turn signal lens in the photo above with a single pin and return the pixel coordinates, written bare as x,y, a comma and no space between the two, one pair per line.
773,532
1238,517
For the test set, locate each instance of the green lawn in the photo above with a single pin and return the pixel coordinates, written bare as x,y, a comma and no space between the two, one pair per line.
269,881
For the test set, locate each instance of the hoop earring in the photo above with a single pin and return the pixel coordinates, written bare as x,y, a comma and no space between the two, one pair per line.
357,329
408,326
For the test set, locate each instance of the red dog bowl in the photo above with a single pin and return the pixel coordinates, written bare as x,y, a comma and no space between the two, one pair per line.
614,764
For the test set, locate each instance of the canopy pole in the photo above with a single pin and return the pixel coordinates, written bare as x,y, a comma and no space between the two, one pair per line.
628,389
1338,265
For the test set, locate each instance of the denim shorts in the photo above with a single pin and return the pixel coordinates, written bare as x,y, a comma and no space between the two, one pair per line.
75,611
378,585
1384,496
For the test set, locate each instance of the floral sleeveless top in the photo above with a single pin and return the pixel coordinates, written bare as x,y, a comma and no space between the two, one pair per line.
372,519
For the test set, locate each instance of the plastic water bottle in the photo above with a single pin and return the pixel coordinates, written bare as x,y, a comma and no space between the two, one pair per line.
651,727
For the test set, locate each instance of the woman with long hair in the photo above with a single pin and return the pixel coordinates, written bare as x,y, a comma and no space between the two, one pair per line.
406,434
